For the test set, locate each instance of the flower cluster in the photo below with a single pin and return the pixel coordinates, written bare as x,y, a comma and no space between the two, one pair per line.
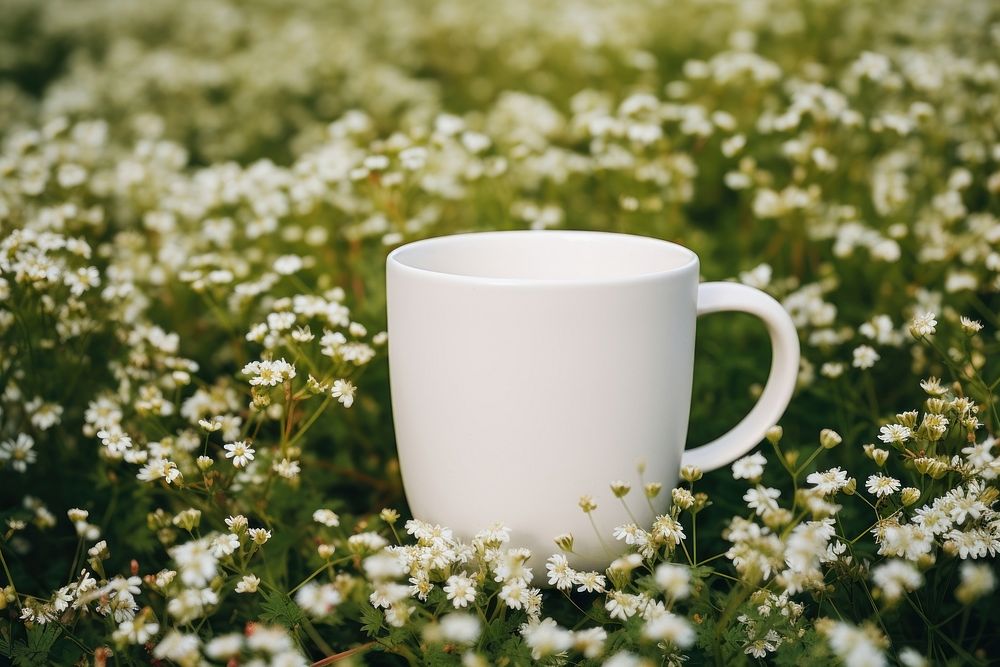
195,430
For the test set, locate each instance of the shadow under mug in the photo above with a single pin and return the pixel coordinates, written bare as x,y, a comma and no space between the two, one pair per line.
530,368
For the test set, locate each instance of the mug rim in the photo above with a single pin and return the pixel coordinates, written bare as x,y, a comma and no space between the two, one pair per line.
394,259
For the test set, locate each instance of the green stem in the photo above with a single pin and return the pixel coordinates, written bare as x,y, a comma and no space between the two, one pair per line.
10,579
309,422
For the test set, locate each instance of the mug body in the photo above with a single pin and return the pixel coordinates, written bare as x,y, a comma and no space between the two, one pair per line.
528,369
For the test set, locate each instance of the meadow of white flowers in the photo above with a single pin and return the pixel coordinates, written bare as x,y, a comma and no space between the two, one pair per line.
196,198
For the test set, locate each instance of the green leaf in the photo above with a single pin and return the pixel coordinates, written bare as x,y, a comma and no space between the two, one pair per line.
371,619
279,608
36,652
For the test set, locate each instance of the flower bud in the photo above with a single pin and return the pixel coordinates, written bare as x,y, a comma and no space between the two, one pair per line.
909,495
938,469
76,514
204,463
682,498
774,434
587,504
850,487
907,419
157,519
620,488
260,398
211,425
691,473
389,515
653,489
880,456
326,551
970,327
626,563
936,406
565,542
188,519
775,519
989,495
828,438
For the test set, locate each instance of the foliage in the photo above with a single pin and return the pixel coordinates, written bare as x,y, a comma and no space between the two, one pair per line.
196,199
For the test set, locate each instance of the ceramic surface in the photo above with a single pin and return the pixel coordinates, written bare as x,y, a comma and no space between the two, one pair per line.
530,368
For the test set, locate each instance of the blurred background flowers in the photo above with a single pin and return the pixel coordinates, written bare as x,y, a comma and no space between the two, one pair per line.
196,199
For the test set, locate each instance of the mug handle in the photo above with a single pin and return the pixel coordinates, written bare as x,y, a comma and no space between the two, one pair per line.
721,296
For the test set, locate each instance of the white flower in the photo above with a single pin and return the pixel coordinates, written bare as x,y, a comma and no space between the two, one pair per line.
367,541
269,373
134,631
288,264
248,584
896,433
237,523
116,440
460,589
224,647
510,565
318,600
864,356
762,499
674,580
749,467
932,386
832,369
621,605
225,544
923,324
881,485
273,640
287,468
759,648
259,535
624,659
977,580
240,452
326,517
546,638
195,561
896,576
854,646
828,482
910,657
590,642
460,628
667,530
515,594
590,582
632,534
669,628
385,565
178,647
19,452
159,468
561,575
344,392
191,603
970,326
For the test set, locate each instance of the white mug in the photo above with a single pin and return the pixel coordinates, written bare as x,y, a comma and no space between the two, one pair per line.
530,368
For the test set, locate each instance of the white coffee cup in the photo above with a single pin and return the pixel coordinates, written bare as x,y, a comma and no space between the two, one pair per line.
529,368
